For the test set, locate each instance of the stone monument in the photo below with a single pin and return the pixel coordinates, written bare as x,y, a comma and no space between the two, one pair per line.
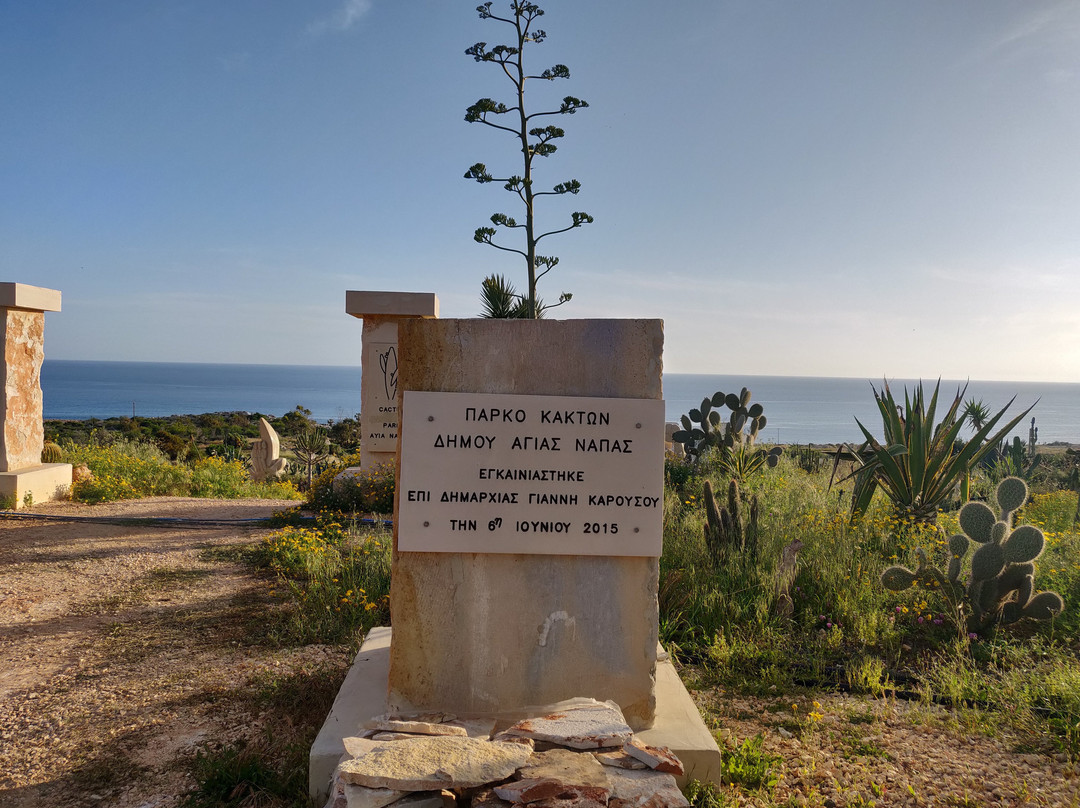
266,459
382,312
527,535
24,479
490,633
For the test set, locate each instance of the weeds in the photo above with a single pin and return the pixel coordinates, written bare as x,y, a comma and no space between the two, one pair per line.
750,766
336,577
242,774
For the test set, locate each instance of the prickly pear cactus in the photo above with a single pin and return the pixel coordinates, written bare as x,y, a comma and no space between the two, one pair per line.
1001,584
705,428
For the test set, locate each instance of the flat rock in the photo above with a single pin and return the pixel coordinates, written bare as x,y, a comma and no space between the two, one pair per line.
570,801
435,762
590,726
538,792
566,767
385,724
659,758
487,798
364,797
394,736
356,746
474,727
619,759
426,799
504,737
644,789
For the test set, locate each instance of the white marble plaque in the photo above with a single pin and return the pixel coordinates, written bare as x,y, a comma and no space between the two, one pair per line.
552,475
378,408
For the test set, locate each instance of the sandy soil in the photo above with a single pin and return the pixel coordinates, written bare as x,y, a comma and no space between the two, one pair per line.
123,649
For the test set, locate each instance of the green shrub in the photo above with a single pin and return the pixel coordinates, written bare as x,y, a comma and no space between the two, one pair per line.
220,478
370,491
127,469
337,577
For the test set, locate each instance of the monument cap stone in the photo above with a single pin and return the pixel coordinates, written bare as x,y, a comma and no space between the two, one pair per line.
31,298
391,304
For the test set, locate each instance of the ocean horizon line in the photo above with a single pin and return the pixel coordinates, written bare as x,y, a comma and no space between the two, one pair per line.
800,409
923,379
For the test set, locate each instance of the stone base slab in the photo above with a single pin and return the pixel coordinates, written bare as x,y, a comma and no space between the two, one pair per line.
678,724
45,483
362,697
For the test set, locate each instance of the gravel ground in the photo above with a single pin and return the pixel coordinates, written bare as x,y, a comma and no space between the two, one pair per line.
124,649
887,752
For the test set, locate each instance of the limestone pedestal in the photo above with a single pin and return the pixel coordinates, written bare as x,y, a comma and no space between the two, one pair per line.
486,634
22,315
381,313
677,723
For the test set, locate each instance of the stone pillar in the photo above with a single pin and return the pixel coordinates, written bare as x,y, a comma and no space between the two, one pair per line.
494,634
22,309
381,313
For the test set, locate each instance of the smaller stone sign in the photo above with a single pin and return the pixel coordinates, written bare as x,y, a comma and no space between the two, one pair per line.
379,417
551,475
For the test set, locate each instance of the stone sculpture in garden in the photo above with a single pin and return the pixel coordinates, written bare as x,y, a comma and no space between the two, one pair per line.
266,459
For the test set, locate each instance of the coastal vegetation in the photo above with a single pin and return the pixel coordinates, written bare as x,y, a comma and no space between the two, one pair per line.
216,434
196,455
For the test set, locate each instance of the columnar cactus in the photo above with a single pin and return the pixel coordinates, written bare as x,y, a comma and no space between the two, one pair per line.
1001,586
734,527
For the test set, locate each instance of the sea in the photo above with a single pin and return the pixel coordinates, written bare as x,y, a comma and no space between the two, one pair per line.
798,409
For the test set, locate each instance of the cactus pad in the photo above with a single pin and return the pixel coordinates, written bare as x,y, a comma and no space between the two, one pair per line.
1023,592
897,579
1044,606
987,561
958,545
1025,544
998,532
976,520
1011,493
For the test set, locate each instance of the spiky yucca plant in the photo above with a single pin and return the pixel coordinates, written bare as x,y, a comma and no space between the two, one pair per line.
918,463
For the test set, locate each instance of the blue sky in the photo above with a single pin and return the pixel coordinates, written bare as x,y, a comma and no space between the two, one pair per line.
797,188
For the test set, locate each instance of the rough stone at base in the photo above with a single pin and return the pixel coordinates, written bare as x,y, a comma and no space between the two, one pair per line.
678,724
427,763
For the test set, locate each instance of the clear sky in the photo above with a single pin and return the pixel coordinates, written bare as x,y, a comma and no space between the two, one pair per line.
837,188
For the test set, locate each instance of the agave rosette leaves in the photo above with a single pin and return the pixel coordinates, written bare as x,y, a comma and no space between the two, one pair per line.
917,464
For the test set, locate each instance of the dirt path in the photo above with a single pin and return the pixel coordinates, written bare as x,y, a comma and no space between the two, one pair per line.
123,649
